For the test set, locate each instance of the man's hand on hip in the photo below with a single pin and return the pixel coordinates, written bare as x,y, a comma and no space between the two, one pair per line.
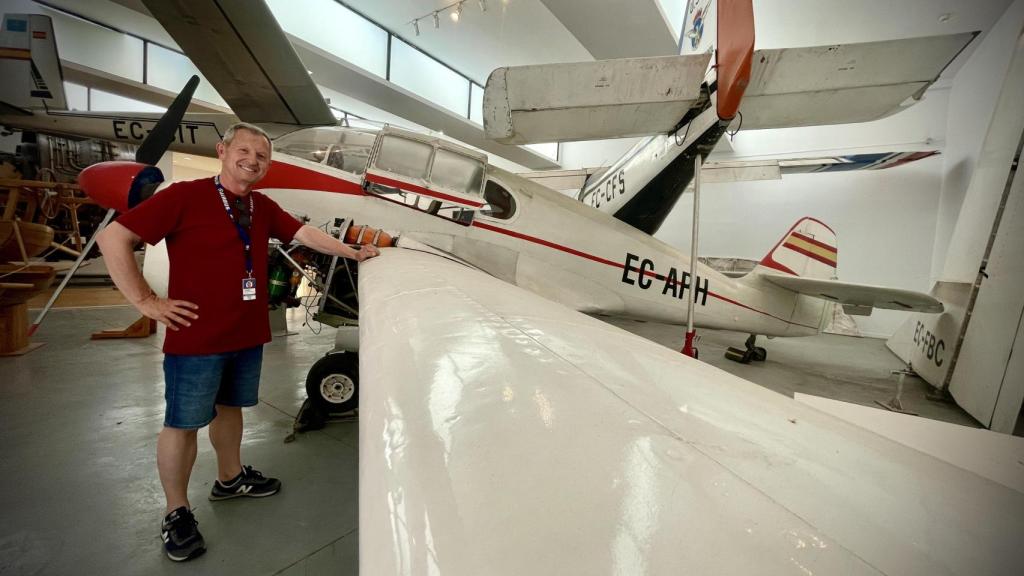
171,313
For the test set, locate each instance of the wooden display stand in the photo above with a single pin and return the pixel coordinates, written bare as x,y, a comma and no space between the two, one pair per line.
141,328
19,284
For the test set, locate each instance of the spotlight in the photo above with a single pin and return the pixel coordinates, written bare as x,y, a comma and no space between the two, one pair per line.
437,22
457,13
483,5
416,26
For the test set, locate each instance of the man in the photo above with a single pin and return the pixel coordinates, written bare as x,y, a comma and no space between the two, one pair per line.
217,232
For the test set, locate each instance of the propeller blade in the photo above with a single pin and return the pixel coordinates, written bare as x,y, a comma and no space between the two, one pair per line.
166,129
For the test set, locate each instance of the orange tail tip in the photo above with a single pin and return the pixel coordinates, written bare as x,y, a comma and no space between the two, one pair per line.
368,235
809,250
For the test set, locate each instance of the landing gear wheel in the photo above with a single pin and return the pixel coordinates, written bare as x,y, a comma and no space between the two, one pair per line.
759,354
332,383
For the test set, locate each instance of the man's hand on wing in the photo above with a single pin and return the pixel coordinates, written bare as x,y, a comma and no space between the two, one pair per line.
366,251
171,313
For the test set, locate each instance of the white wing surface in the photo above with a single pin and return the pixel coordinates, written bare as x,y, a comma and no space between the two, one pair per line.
591,100
240,48
852,294
847,83
501,433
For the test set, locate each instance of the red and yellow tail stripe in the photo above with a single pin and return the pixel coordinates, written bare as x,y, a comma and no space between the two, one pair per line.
812,248
15,53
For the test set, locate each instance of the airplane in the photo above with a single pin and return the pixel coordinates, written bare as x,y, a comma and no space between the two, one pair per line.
505,430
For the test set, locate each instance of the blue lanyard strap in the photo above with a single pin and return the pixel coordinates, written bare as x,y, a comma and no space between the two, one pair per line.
243,234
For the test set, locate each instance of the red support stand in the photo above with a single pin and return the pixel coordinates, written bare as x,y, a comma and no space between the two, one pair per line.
688,348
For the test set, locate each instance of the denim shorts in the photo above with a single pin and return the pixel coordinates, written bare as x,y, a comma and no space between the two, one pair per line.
194,385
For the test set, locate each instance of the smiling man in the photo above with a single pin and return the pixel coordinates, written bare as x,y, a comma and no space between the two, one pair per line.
217,233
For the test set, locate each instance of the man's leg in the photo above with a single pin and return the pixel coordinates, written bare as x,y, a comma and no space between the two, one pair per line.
239,389
226,437
175,455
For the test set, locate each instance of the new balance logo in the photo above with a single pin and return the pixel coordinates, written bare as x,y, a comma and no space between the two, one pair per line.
243,489
166,536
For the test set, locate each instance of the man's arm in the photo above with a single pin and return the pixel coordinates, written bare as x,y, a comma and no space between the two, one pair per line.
116,242
320,241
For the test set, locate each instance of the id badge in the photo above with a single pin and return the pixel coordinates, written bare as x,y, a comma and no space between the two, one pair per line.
248,288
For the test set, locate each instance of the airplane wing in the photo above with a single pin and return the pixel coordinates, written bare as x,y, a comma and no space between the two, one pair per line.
591,100
844,83
240,48
860,295
788,87
716,171
501,433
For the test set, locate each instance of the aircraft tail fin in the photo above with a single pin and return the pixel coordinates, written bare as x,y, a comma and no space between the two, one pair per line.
808,250
29,63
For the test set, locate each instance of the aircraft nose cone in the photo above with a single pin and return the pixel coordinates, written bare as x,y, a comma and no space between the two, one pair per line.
120,185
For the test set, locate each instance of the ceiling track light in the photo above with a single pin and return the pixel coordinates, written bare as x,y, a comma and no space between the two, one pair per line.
454,12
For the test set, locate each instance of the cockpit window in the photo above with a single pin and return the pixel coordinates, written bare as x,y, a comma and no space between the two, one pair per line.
404,157
456,172
500,204
342,148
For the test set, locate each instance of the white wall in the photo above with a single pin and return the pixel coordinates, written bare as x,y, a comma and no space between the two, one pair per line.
576,155
971,104
884,221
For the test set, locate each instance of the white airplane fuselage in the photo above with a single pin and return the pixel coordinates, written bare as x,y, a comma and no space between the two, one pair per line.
559,248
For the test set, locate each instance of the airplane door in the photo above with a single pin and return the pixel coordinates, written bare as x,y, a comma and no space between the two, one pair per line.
427,174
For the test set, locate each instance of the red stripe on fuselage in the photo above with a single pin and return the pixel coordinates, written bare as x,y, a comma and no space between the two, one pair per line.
543,242
292,177
605,261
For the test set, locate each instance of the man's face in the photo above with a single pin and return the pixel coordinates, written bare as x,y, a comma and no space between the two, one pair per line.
246,159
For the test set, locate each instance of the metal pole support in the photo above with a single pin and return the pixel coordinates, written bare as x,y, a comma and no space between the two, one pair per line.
895,404
691,334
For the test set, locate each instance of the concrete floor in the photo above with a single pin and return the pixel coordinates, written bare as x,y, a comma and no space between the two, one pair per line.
80,491
80,418
846,368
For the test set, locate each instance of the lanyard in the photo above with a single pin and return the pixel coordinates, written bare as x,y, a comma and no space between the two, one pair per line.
243,234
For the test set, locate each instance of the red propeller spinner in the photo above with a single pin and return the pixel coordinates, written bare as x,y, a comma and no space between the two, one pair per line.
120,185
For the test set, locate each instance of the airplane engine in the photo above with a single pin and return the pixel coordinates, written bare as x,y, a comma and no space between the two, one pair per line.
120,185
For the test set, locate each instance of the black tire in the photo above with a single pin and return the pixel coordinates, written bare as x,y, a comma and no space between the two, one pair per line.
737,355
332,383
760,354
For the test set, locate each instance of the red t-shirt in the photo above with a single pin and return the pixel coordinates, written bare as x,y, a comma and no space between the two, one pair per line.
208,263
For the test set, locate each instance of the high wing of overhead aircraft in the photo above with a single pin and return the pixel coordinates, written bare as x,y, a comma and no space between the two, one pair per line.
266,82
687,103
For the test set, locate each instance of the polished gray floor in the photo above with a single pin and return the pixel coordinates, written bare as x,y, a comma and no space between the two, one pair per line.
79,420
